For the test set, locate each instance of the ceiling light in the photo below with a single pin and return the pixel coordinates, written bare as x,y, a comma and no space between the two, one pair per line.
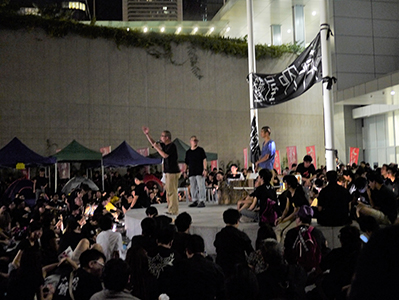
162,29
178,30
392,93
289,31
227,29
314,13
145,29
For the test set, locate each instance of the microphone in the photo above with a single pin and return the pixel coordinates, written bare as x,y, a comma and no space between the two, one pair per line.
158,142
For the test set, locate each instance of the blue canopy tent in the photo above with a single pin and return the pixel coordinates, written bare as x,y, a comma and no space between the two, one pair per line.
17,152
125,156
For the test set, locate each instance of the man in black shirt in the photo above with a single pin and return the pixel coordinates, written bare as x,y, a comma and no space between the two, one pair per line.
168,151
196,163
306,169
232,245
40,183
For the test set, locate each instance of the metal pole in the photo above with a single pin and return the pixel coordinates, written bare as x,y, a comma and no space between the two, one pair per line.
55,177
251,64
102,174
327,94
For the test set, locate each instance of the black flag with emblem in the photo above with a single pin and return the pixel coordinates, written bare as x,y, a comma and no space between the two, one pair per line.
254,142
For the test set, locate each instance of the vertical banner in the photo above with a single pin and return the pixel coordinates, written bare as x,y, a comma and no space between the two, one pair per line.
214,165
311,150
64,170
292,156
254,143
277,164
145,152
245,158
105,150
353,155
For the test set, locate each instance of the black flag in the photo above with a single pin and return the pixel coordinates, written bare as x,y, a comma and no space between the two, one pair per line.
254,143
297,78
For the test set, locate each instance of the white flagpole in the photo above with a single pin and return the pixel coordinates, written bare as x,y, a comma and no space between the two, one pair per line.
251,64
327,94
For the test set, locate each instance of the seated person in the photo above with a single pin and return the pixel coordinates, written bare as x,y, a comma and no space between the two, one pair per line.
234,174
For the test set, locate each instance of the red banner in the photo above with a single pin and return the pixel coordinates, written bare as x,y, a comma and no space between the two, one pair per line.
292,156
246,158
105,150
353,155
277,164
311,150
214,164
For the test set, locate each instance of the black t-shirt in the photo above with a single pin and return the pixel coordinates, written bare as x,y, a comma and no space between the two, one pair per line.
262,193
306,172
143,200
84,286
385,201
297,200
194,160
170,164
40,182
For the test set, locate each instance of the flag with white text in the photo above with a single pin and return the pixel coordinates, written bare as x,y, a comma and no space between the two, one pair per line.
296,79
254,142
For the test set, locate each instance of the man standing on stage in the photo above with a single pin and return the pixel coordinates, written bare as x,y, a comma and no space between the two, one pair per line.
266,160
196,163
168,151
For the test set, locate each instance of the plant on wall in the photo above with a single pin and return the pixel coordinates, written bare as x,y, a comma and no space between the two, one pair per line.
158,45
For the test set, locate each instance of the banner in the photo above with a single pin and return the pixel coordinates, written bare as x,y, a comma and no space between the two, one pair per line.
214,164
292,156
277,164
296,79
105,150
353,155
245,158
254,142
311,150
64,170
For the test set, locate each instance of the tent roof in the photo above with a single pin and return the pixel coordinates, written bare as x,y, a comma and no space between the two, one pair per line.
182,149
126,156
77,152
17,152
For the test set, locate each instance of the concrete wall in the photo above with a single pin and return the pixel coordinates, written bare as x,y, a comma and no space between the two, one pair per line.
366,40
55,90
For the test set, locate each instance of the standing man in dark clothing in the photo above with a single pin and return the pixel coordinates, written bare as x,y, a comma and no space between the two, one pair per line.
333,203
196,163
383,201
168,151
232,245
205,280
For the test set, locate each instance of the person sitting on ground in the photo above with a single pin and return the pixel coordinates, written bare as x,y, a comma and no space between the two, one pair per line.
161,260
242,283
116,278
183,223
333,203
205,280
383,201
306,169
110,242
232,245
147,239
234,174
295,199
341,263
304,244
85,281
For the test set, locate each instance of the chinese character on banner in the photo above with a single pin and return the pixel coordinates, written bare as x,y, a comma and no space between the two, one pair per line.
64,170
277,164
145,152
246,158
353,155
105,150
311,150
292,156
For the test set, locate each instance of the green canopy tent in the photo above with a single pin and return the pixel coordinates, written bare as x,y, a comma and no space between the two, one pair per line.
182,149
76,152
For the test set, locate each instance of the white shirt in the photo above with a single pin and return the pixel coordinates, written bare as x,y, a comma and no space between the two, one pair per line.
110,242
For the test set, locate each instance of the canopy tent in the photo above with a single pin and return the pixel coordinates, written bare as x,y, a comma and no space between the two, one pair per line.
126,156
16,152
182,149
76,152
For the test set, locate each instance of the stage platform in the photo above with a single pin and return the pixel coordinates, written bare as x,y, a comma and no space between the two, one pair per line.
208,221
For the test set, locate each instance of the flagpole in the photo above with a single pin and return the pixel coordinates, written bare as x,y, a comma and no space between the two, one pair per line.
327,92
251,64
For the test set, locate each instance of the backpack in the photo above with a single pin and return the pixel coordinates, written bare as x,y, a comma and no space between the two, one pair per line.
306,250
269,215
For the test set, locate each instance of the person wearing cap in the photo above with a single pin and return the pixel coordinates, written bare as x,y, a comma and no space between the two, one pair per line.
196,163
303,221
266,160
